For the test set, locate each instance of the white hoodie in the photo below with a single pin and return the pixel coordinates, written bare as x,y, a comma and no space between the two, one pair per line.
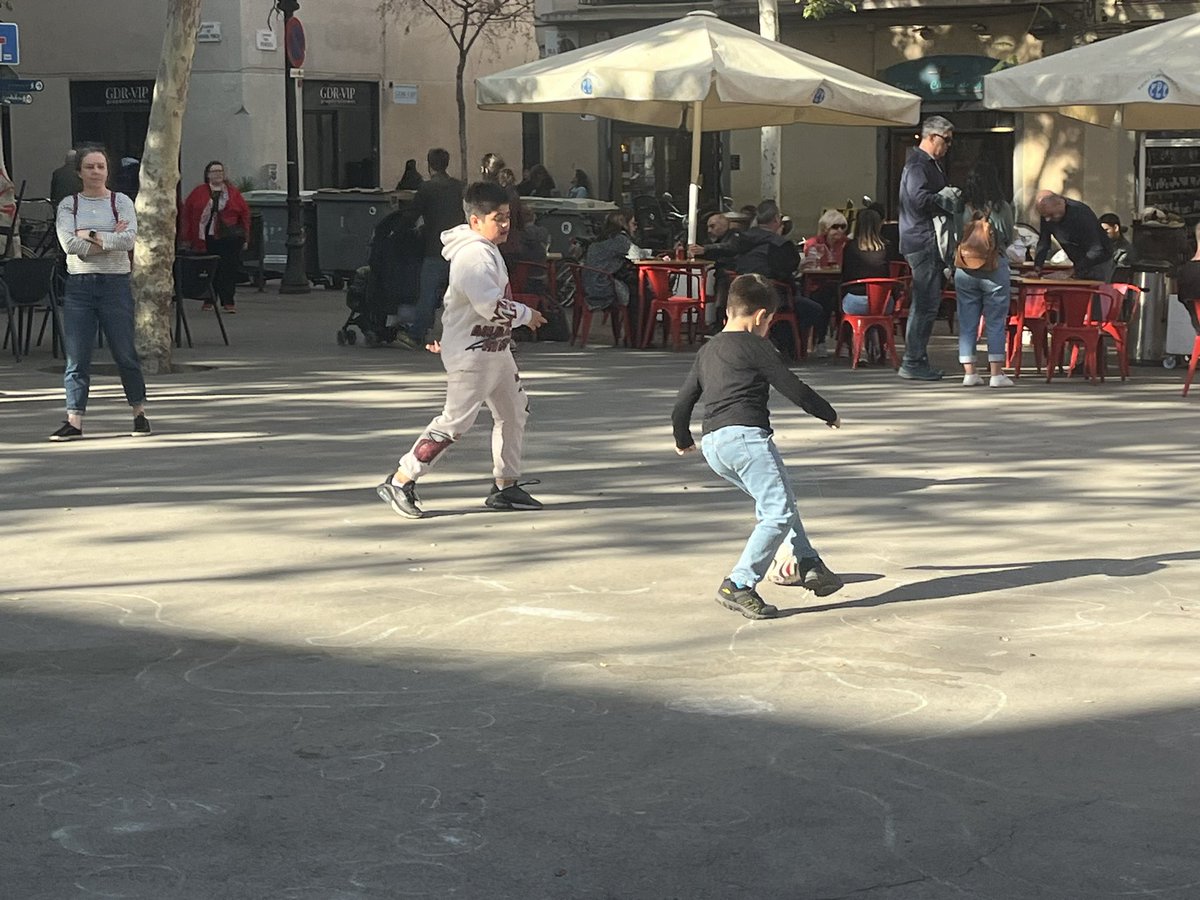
478,314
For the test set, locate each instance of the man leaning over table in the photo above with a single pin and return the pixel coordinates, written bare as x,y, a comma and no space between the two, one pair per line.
927,203
1078,232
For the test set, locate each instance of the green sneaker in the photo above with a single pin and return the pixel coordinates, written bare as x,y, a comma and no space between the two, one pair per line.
744,600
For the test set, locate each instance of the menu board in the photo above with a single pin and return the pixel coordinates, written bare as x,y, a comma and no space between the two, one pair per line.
1173,178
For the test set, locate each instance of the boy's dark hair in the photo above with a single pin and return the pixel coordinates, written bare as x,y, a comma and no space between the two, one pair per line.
750,293
483,198
438,159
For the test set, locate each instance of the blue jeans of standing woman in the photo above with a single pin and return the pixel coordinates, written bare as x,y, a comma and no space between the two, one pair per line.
103,301
435,278
748,459
982,294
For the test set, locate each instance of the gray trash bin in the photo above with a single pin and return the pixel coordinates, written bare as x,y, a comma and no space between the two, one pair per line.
1148,324
345,222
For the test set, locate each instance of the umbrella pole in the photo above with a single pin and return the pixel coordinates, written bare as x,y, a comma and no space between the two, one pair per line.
694,186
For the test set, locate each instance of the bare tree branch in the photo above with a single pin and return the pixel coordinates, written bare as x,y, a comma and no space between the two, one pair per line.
466,21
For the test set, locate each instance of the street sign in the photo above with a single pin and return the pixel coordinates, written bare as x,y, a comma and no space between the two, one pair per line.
16,99
21,85
10,46
294,43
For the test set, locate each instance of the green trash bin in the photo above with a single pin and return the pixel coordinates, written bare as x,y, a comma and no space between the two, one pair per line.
346,220
272,206
568,220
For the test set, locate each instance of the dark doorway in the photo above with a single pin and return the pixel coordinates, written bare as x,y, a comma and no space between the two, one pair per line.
654,161
115,114
341,134
979,136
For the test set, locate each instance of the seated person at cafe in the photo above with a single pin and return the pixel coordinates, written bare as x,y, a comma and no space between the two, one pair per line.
825,251
1111,223
866,256
720,250
1188,282
611,253
763,250
528,243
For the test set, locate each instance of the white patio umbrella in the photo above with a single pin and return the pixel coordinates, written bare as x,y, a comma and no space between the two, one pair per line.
699,73
1151,75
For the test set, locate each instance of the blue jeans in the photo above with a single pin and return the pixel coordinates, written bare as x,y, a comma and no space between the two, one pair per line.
435,278
107,302
927,284
986,294
747,458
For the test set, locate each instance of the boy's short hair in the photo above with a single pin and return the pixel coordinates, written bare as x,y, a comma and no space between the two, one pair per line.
438,159
483,198
750,293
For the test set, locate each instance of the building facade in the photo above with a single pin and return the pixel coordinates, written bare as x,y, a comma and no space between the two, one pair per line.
938,49
375,90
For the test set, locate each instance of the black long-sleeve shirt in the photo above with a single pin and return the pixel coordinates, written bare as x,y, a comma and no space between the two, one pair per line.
735,372
1079,233
439,201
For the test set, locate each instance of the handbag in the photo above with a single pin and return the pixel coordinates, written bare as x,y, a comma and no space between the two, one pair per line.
223,230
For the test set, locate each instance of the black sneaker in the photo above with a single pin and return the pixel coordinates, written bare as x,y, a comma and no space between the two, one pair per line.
809,573
402,498
67,432
512,497
141,426
744,600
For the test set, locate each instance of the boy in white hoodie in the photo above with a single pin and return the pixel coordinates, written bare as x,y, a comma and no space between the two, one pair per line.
478,317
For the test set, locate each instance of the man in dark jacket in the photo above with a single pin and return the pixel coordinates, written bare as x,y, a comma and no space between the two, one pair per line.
763,250
439,202
64,181
1078,232
923,199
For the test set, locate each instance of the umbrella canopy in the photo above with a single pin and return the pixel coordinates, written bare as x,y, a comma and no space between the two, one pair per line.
1150,75
657,75
702,74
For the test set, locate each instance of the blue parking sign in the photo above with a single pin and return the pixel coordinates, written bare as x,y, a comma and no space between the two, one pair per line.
10,51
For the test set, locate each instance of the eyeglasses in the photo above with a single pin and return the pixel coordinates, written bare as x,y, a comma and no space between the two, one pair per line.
838,227
948,140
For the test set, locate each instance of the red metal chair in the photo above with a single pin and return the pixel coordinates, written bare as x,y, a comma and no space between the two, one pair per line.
1125,296
530,283
673,308
787,315
880,292
1027,313
1191,372
582,316
1073,322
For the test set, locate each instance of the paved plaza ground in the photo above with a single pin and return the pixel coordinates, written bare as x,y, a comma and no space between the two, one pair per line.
229,671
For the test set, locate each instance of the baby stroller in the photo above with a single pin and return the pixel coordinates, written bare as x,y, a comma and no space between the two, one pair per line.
380,290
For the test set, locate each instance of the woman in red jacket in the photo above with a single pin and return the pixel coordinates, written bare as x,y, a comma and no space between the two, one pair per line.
216,220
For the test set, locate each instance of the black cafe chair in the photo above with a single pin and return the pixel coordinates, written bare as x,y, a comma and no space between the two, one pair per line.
195,279
28,286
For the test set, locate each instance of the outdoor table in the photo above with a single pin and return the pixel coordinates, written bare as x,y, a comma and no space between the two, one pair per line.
654,282
812,280
1028,301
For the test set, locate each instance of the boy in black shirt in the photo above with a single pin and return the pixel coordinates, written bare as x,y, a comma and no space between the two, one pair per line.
735,372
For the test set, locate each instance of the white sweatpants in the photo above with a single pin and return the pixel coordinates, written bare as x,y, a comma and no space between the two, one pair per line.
498,384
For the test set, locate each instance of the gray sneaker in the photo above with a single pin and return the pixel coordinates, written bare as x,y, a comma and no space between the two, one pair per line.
401,498
745,601
512,497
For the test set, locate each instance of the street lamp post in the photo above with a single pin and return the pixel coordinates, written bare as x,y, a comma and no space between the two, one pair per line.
295,279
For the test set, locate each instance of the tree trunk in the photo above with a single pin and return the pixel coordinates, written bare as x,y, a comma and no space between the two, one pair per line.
154,255
462,113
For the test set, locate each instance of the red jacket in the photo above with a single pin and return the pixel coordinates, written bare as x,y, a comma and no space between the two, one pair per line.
236,213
